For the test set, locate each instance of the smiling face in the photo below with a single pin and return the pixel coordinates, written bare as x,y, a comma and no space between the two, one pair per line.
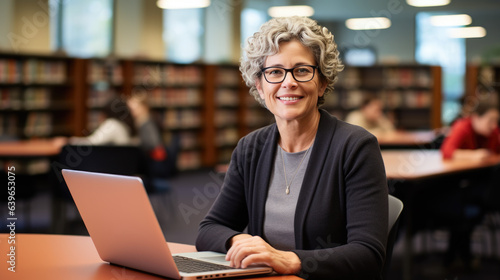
291,100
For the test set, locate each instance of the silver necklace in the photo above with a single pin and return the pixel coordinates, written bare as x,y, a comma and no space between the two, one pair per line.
287,191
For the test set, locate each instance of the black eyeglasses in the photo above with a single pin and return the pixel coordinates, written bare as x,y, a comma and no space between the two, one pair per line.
301,73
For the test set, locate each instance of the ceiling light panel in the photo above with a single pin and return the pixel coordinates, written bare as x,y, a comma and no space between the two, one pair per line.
368,23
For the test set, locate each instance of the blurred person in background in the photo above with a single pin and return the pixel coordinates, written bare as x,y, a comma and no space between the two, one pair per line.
116,127
371,117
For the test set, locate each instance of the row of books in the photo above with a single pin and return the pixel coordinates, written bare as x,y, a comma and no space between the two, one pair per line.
391,99
226,97
98,97
33,71
385,77
181,119
189,160
29,99
187,139
150,75
9,125
227,136
101,70
173,97
38,124
227,76
225,117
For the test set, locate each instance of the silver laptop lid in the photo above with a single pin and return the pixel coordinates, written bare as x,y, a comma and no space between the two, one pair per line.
121,222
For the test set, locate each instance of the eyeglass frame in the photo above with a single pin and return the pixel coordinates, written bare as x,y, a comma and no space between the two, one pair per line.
315,67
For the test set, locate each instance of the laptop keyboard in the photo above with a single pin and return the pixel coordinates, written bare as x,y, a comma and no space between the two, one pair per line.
189,265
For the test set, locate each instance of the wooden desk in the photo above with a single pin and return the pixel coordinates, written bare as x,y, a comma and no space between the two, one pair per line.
29,148
421,164
415,170
54,257
412,139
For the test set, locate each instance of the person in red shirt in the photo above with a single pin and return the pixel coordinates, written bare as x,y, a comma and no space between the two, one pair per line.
474,137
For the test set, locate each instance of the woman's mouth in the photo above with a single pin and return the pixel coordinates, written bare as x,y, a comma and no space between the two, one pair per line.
288,98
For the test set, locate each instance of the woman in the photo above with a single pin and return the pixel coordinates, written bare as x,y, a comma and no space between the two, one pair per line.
310,189
116,127
371,117
476,136
149,134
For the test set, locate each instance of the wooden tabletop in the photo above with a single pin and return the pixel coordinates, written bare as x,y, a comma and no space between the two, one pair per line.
406,138
58,257
29,148
418,164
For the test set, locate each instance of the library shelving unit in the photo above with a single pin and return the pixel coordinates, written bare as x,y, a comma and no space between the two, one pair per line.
105,79
235,111
411,94
176,99
483,81
39,96
226,104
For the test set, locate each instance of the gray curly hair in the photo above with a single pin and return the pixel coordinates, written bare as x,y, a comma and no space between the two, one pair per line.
266,42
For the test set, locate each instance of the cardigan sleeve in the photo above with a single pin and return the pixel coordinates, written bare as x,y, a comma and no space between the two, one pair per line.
362,254
228,215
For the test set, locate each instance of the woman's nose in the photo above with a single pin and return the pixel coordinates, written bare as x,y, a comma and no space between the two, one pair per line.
289,81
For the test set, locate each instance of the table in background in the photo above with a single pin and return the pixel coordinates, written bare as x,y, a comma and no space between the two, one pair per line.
55,257
414,170
29,148
407,139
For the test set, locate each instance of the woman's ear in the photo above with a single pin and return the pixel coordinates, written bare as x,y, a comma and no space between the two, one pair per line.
258,86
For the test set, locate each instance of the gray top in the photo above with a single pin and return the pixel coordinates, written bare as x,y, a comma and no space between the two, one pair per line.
280,207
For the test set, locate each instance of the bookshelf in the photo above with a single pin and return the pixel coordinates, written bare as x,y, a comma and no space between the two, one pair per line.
39,96
207,106
483,81
104,80
176,99
411,93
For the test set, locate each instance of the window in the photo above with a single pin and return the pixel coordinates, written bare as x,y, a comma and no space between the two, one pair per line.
435,47
183,34
82,28
251,20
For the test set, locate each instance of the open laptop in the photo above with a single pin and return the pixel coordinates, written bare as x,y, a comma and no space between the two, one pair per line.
122,224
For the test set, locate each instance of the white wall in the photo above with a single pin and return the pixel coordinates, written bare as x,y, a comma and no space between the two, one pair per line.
128,19
222,31
25,26
6,10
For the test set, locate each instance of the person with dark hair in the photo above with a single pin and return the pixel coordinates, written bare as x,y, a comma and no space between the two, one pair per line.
371,117
308,194
116,127
148,131
475,136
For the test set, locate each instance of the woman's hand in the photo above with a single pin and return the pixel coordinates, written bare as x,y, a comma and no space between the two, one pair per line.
246,250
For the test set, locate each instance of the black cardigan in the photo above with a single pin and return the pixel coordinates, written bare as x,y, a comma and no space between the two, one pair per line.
341,215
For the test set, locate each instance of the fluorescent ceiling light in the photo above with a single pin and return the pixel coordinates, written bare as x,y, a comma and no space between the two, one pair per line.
451,20
428,3
182,4
468,32
368,23
288,11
